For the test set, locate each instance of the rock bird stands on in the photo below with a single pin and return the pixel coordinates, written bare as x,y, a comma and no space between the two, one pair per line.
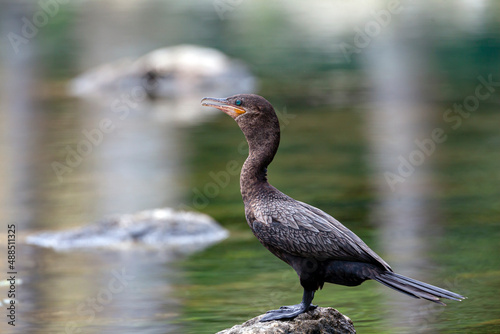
316,245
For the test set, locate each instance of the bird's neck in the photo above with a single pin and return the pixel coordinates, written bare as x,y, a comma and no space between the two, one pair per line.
254,171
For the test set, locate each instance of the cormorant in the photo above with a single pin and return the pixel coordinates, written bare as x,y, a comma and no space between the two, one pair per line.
316,245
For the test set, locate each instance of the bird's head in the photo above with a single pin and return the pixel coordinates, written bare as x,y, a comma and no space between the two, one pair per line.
241,105
255,116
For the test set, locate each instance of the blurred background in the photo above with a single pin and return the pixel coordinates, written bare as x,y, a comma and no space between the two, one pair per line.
390,122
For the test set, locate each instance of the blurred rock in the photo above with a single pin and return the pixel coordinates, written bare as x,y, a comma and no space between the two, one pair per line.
324,320
171,72
177,231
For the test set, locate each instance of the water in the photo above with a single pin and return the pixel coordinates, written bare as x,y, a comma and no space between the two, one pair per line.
344,125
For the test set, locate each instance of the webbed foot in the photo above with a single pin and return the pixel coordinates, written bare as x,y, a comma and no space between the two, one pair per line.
291,311
285,312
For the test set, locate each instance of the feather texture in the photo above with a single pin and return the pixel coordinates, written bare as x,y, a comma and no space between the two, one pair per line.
303,230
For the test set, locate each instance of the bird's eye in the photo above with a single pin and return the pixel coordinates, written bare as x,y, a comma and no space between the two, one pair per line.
238,102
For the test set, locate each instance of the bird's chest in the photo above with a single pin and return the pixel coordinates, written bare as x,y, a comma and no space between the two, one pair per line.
250,217
255,218
258,210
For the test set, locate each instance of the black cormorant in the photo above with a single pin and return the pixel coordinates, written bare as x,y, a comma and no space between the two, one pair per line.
315,244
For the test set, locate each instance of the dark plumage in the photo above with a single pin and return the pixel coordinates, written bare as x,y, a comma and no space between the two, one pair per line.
316,245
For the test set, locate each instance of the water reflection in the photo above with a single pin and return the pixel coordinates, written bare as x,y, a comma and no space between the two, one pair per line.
69,163
141,163
21,126
132,154
402,114
96,292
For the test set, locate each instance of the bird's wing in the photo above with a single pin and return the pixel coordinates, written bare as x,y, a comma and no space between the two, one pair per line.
302,230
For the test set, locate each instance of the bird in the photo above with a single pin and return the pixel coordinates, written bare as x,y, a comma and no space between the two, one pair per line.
317,246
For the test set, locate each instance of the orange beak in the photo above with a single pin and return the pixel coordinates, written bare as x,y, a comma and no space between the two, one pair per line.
224,105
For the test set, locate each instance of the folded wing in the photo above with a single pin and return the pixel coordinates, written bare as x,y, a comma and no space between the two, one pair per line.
305,231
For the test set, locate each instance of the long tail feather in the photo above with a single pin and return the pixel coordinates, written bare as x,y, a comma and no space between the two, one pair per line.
415,288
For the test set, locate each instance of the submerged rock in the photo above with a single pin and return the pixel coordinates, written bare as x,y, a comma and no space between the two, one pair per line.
179,231
324,320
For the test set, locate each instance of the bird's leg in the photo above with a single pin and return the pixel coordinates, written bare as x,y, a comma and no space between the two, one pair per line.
287,312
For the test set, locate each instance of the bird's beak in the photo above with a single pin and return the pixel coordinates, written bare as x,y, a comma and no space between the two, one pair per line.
224,105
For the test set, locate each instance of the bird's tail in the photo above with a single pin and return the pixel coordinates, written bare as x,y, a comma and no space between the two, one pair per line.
415,288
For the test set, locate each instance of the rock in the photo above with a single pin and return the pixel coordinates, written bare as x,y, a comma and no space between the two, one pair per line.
170,72
322,320
177,231
165,84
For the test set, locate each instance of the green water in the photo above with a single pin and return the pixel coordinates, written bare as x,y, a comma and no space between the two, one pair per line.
321,162
442,225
